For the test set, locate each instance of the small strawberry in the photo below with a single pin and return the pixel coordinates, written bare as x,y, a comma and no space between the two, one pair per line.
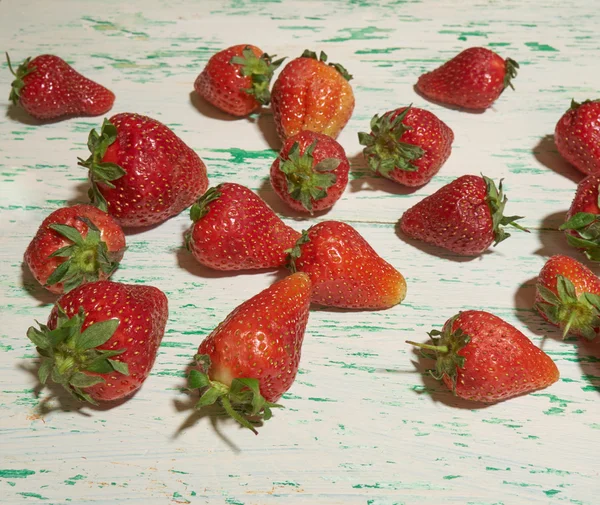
345,270
251,359
482,358
465,216
101,339
577,136
310,94
407,145
311,172
473,79
236,80
74,245
568,296
141,172
47,87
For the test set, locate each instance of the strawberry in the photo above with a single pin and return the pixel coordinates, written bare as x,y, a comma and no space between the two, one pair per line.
465,216
251,359
311,172
101,339
74,245
141,172
236,80
568,296
482,358
310,94
47,87
407,145
577,136
234,229
345,270
473,79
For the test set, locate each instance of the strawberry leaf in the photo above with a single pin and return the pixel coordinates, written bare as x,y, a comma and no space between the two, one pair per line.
511,72
18,84
260,69
496,200
202,205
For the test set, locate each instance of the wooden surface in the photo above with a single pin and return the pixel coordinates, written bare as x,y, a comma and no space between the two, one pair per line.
363,424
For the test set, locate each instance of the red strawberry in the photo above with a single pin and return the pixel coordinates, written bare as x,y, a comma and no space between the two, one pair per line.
407,145
101,339
465,216
236,80
141,172
310,94
345,270
568,296
48,87
75,245
577,136
311,172
234,229
482,358
252,357
473,79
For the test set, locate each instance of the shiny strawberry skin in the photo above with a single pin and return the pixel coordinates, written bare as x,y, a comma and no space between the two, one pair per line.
586,197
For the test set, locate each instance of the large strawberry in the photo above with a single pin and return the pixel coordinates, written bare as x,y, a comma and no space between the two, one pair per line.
234,229
236,80
407,145
141,172
101,339
481,357
568,296
345,270
311,172
251,359
464,216
310,94
577,136
74,245
473,79
47,87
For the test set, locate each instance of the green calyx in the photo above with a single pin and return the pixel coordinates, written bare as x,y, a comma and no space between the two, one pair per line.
577,314
496,200
587,228
575,105
18,83
260,69
202,205
511,72
242,400
383,150
69,354
295,252
323,58
101,172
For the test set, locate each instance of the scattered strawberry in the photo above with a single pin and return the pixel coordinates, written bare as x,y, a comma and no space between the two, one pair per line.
47,87
407,145
101,339
473,79
465,216
236,80
568,296
577,136
345,270
481,357
251,359
75,245
141,172
310,94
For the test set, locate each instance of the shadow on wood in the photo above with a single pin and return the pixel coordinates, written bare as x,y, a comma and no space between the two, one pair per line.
547,154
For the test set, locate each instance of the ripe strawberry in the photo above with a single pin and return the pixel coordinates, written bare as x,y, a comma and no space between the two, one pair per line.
310,94
568,296
345,270
236,80
141,172
101,339
407,145
75,245
577,136
311,172
234,229
252,357
481,357
473,79
47,87
465,216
